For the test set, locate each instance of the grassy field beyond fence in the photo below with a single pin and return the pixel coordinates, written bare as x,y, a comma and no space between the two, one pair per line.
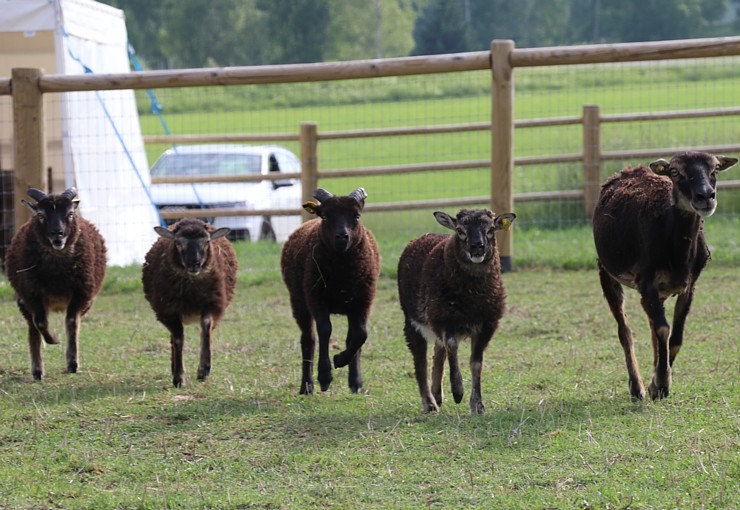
560,430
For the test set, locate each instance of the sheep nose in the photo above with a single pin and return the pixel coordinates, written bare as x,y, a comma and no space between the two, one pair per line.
342,236
707,196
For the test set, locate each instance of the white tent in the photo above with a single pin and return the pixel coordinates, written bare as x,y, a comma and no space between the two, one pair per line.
95,143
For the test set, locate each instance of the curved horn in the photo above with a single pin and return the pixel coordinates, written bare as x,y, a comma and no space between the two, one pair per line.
359,194
321,194
71,194
36,194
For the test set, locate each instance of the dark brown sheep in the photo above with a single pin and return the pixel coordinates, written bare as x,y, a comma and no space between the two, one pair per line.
648,231
189,275
55,262
450,287
330,266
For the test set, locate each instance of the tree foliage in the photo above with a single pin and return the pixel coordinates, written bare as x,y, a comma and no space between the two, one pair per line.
194,33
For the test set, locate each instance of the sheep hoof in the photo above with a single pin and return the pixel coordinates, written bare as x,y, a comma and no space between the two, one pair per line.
356,389
657,392
51,339
458,397
341,360
477,407
306,388
177,383
430,406
38,375
72,368
203,374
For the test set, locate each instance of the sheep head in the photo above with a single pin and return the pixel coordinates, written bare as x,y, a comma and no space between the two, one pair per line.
340,218
475,232
694,177
191,242
55,215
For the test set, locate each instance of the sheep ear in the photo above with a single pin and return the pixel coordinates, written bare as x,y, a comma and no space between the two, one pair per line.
30,205
660,166
725,162
313,208
220,232
445,220
164,232
504,221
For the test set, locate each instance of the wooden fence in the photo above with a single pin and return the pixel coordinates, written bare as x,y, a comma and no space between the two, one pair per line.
29,85
591,157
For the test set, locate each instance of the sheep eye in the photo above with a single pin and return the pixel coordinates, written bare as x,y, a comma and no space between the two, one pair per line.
460,232
674,172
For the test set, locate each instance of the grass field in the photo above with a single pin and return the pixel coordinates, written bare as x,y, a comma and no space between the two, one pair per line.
560,430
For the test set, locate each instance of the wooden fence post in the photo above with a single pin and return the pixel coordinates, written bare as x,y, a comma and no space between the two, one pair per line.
28,135
502,142
591,157
309,163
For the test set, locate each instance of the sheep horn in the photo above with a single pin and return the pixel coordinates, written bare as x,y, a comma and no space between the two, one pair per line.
359,194
71,194
36,194
321,194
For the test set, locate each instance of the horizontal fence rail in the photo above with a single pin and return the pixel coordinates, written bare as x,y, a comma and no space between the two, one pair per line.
27,86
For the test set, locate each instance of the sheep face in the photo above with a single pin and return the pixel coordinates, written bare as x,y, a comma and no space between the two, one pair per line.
694,177
192,243
340,218
55,215
475,231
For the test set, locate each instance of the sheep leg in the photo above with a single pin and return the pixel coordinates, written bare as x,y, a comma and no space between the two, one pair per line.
418,347
72,324
438,370
177,341
615,298
323,327
456,382
356,336
34,344
40,319
308,345
684,300
479,344
660,332
206,331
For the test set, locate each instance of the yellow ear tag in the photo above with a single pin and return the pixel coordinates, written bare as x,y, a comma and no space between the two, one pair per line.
505,224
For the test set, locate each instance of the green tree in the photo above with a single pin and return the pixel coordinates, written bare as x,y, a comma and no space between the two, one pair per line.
442,27
655,20
297,29
362,29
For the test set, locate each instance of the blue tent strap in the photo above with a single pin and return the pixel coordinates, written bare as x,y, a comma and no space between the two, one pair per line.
156,108
108,116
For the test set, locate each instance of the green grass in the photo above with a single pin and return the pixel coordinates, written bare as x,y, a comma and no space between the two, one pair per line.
560,430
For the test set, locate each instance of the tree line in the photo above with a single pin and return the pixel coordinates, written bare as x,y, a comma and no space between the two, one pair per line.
199,33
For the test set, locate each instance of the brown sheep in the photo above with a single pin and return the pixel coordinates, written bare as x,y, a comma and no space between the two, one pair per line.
648,231
450,287
331,265
189,275
55,262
